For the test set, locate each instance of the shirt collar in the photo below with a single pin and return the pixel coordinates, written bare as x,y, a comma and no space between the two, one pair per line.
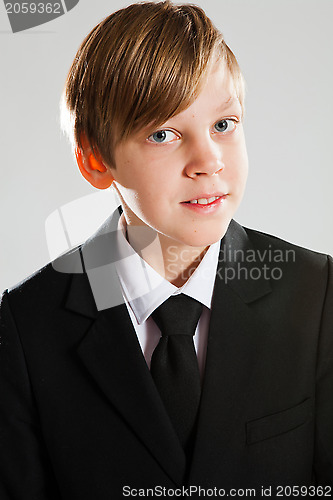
144,289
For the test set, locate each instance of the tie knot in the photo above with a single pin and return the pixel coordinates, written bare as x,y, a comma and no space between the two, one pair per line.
178,315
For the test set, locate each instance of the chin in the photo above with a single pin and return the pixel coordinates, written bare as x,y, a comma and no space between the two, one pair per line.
205,238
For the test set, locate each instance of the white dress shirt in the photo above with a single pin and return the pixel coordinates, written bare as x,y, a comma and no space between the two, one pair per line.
144,290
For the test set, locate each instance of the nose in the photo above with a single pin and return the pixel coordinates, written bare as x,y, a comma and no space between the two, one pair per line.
205,157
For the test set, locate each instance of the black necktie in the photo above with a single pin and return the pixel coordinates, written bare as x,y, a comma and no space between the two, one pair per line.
174,364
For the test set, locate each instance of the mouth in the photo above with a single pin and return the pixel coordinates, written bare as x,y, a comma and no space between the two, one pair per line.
206,199
206,204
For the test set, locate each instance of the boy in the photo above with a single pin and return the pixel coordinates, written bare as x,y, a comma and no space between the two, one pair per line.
104,395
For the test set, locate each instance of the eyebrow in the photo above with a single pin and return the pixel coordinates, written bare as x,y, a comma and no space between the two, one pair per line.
227,104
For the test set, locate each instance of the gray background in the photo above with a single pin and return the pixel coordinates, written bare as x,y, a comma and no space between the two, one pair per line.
285,51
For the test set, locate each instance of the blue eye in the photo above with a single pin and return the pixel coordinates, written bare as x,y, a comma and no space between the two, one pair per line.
159,136
162,136
226,125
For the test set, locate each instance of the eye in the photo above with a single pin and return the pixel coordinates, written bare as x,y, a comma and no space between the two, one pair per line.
162,137
227,125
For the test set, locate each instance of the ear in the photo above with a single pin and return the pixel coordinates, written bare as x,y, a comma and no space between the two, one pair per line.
92,166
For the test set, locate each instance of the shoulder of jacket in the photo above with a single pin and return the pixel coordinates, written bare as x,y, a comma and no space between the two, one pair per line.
264,239
48,279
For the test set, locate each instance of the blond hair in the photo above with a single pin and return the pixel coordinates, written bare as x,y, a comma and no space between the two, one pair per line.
140,66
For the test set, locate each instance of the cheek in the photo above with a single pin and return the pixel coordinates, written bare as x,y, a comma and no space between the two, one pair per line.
239,165
142,175
237,173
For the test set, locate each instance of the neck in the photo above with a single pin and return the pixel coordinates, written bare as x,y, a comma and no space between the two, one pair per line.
173,260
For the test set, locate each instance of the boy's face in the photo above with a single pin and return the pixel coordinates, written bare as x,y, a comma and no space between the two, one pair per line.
198,154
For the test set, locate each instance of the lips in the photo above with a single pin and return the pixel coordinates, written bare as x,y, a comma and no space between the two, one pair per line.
205,205
206,199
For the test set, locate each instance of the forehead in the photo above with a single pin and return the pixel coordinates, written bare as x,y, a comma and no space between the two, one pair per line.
217,93
218,83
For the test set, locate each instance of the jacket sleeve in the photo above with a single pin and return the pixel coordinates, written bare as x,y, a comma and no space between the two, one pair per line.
323,460
25,469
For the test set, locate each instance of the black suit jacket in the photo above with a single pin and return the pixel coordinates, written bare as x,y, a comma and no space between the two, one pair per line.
80,417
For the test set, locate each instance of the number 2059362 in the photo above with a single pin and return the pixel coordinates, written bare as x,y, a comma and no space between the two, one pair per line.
33,8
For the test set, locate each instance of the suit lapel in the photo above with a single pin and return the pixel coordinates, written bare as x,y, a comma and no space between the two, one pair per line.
111,353
232,353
